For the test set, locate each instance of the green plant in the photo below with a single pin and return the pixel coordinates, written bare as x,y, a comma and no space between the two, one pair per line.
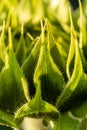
43,64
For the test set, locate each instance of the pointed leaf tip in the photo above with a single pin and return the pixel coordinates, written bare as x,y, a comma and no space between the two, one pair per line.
71,54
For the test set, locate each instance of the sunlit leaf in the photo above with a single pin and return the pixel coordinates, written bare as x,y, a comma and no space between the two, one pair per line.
31,45
71,54
54,50
37,108
29,65
46,74
13,86
75,91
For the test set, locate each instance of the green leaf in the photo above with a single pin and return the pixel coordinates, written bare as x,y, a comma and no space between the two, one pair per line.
31,45
75,91
13,86
29,65
20,51
36,108
46,74
71,55
43,109
63,47
54,50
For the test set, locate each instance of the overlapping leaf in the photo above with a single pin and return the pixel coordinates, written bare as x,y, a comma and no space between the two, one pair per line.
29,65
45,66
47,75
13,87
75,91
37,108
71,55
54,50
